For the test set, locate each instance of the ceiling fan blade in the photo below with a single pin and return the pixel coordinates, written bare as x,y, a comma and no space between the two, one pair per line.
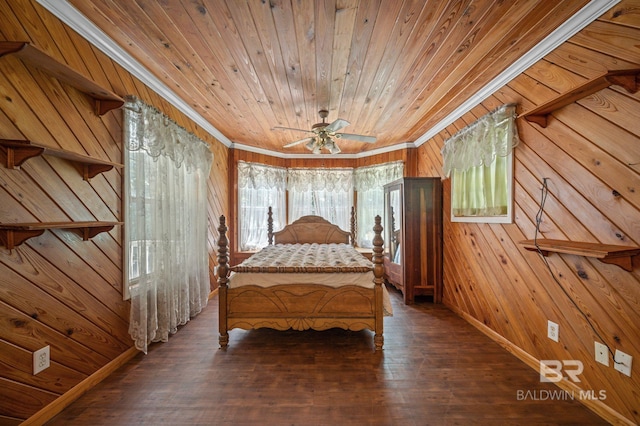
361,138
290,128
336,125
298,142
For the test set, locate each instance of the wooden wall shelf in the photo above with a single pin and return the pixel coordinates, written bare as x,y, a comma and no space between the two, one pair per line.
628,79
14,234
104,100
15,152
607,253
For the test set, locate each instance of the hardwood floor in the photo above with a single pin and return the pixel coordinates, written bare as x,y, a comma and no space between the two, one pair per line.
435,369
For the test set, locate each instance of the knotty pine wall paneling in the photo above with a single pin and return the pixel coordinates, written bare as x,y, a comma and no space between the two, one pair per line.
590,154
56,289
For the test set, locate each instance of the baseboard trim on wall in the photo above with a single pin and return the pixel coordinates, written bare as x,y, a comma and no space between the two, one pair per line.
51,410
595,405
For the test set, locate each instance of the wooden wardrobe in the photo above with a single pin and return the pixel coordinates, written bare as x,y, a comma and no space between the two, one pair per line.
413,237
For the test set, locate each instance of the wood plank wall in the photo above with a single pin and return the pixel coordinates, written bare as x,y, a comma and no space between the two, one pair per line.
56,289
590,152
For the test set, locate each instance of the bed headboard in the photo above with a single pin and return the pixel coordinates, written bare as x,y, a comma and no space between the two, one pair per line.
311,229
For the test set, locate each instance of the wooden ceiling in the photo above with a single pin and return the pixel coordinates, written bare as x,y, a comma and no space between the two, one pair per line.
392,68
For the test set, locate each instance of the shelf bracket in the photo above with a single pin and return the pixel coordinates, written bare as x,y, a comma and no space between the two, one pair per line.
13,156
11,238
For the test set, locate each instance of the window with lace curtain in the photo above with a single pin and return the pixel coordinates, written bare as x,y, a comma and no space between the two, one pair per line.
369,184
479,160
165,243
322,192
259,187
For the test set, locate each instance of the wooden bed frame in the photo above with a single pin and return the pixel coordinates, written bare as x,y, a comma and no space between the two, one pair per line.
302,306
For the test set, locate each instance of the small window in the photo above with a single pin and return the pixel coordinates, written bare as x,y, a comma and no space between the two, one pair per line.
479,160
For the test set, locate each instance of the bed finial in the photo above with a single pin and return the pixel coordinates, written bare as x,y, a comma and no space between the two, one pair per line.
223,279
270,226
378,273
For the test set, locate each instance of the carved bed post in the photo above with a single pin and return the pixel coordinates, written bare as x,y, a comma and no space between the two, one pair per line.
378,273
270,226
223,279
353,226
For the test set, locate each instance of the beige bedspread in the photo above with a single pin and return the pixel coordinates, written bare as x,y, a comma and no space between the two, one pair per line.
291,258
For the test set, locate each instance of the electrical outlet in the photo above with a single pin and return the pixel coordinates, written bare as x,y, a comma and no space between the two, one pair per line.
553,331
623,363
602,354
41,359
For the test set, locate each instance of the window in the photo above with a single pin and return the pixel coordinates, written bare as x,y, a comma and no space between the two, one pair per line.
323,192
479,159
259,187
369,184
167,263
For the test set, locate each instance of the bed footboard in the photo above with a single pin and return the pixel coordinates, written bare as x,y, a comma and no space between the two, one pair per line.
300,306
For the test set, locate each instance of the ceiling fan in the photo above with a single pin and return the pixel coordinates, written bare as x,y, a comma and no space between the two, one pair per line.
324,135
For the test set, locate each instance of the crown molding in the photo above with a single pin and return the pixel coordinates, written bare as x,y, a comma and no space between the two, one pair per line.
364,154
78,22
566,30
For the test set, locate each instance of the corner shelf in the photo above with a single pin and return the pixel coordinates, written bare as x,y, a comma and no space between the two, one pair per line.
628,79
14,234
621,256
15,152
104,100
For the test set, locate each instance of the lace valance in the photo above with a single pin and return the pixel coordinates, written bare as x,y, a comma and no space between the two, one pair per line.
378,175
260,176
493,135
148,129
332,180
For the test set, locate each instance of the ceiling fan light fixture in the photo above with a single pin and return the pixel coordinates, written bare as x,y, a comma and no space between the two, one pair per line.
324,134
311,144
332,147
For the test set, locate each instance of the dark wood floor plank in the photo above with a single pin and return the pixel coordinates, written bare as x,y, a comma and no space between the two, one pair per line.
435,369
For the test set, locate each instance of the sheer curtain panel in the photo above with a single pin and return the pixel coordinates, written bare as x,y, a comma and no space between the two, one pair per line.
369,182
260,186
322,192
166,173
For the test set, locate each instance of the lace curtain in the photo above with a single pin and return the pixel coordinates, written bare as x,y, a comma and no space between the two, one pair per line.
369,182
493,135
259,186
323,192
479,161
167,169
